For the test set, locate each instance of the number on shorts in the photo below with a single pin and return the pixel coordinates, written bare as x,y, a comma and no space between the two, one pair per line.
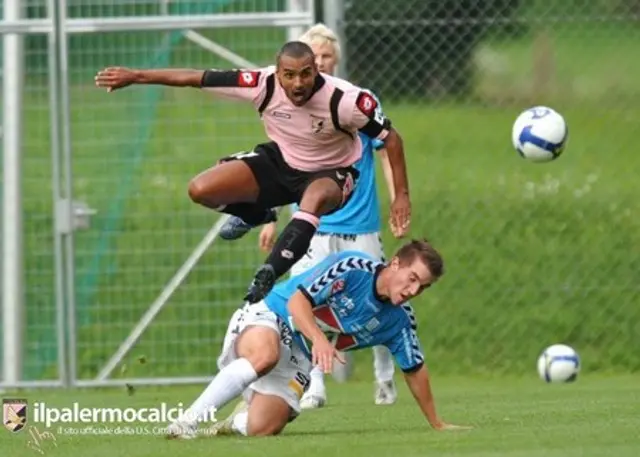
302,379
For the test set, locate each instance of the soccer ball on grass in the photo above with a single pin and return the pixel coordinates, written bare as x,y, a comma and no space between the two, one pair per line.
540,134
559,363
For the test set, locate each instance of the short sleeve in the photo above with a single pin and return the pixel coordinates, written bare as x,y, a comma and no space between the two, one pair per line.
367,116
405,347
377,144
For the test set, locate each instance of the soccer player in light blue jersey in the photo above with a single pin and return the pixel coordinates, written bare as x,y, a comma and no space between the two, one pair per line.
356,226
349,301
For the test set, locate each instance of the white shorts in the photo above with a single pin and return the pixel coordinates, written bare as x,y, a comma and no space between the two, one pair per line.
322,245
289,379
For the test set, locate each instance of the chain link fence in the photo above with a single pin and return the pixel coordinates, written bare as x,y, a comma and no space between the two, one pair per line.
537,254
133,154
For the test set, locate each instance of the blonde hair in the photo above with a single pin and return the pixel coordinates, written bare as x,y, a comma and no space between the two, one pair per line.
321,34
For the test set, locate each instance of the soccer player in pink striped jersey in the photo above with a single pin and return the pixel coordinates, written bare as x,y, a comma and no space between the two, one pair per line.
312,120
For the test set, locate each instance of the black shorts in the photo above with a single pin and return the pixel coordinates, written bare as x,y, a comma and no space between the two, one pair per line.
282,185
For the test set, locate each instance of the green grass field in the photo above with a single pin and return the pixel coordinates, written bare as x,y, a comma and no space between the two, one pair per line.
595,416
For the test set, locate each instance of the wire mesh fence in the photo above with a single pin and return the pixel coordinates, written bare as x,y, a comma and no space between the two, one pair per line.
134,153
536,253
142,147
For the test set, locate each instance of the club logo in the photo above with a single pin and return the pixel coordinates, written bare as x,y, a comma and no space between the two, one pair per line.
14,414
317,124
337,286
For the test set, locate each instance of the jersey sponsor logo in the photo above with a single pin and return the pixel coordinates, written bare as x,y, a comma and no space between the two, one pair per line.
343,304
280,114
366,103
372,324
285,333
248,78
300,383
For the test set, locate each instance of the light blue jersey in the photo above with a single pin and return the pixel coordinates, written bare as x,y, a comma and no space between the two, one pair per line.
348,309
361,214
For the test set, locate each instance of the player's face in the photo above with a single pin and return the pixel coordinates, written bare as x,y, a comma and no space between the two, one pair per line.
325,57
408,281
297,77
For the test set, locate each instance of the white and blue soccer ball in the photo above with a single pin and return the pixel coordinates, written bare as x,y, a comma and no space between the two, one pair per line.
559,363
540,134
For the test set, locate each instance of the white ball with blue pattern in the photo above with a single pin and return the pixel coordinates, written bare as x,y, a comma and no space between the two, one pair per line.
540,134
559,363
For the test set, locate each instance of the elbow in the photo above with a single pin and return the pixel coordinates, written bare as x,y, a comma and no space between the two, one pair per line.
292,308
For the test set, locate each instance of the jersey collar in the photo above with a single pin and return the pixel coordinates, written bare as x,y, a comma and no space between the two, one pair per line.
317,84
379,269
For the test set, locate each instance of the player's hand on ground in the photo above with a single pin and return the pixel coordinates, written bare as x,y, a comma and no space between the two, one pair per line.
400,217
112,78
267,237
443,426
323,353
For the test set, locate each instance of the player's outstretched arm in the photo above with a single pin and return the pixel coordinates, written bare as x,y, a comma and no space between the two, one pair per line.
401,205
368,118
322,351
113,78
420,386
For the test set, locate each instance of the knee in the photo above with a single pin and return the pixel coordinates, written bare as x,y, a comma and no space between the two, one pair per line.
265,429
261,349
264,360
197,190
202,190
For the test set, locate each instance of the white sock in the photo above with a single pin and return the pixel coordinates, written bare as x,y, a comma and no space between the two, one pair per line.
317,381
230,382
383,364
240,421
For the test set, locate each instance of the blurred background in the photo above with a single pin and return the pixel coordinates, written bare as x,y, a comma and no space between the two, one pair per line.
97,220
